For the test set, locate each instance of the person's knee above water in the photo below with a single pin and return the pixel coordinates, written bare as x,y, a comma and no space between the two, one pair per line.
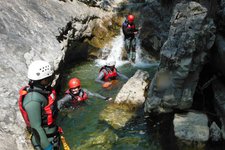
38,107
108,73
76,95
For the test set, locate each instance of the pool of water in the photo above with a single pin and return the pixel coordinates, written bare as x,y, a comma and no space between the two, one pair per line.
143,132
81,123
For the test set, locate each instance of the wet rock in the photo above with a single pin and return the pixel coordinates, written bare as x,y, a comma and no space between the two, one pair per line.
188,145
219,102
223,131
215,132
104,32
220,17
191,127
133,142
134,90
182,56
104,4
155,26
100,140
117,115
218,56
29,31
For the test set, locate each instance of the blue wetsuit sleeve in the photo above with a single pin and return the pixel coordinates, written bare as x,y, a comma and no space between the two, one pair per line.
122,75
63,100
91,94
100,77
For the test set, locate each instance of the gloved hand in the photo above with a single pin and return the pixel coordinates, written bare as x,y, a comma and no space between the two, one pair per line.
108,99
107,84
50,147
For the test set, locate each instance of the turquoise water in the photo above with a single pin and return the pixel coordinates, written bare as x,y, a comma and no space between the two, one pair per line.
80,124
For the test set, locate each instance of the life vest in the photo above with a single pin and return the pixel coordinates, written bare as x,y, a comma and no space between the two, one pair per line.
48,109
82,96
108,74
128,30
129,26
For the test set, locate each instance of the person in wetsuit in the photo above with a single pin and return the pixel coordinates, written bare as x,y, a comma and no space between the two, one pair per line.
129,31
37,103
109,73
76,95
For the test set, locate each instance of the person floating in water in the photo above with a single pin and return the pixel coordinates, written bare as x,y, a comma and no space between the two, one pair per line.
109,73
75,95
129,31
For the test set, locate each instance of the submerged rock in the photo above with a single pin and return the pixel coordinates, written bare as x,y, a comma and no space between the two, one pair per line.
101,141
117,115
133,142
191,127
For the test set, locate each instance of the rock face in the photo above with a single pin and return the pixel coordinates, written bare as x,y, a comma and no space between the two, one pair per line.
182,56
191,127
131,96
215,132
155,26
219,102
104,4
218,64
134,91
218,56
28,31
220,18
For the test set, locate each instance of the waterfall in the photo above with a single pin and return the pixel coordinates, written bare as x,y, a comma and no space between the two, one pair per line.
114,50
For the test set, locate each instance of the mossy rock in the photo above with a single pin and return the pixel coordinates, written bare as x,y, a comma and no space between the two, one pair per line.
105,31
101,141
117,115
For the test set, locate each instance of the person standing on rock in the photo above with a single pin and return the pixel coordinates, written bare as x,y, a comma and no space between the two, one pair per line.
38,107
129,31
75,95
108,74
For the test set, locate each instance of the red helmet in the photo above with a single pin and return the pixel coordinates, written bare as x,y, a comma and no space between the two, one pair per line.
130,18
74,82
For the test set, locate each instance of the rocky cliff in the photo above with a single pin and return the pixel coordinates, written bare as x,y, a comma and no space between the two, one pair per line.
195,40
182,57
29,31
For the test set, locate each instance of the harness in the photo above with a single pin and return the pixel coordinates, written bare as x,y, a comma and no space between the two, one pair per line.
109,74
78,98
128,28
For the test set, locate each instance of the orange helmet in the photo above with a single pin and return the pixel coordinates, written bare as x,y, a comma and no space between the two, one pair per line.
74,82
130,18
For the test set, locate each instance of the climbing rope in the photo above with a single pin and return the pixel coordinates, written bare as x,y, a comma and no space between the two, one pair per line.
65,145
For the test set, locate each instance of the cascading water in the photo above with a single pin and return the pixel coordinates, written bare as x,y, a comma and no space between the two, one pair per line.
114,51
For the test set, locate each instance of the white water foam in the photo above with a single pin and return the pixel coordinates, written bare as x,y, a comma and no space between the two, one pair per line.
113,51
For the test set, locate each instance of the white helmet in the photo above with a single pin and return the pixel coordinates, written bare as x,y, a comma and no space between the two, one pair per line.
39,70
111,63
